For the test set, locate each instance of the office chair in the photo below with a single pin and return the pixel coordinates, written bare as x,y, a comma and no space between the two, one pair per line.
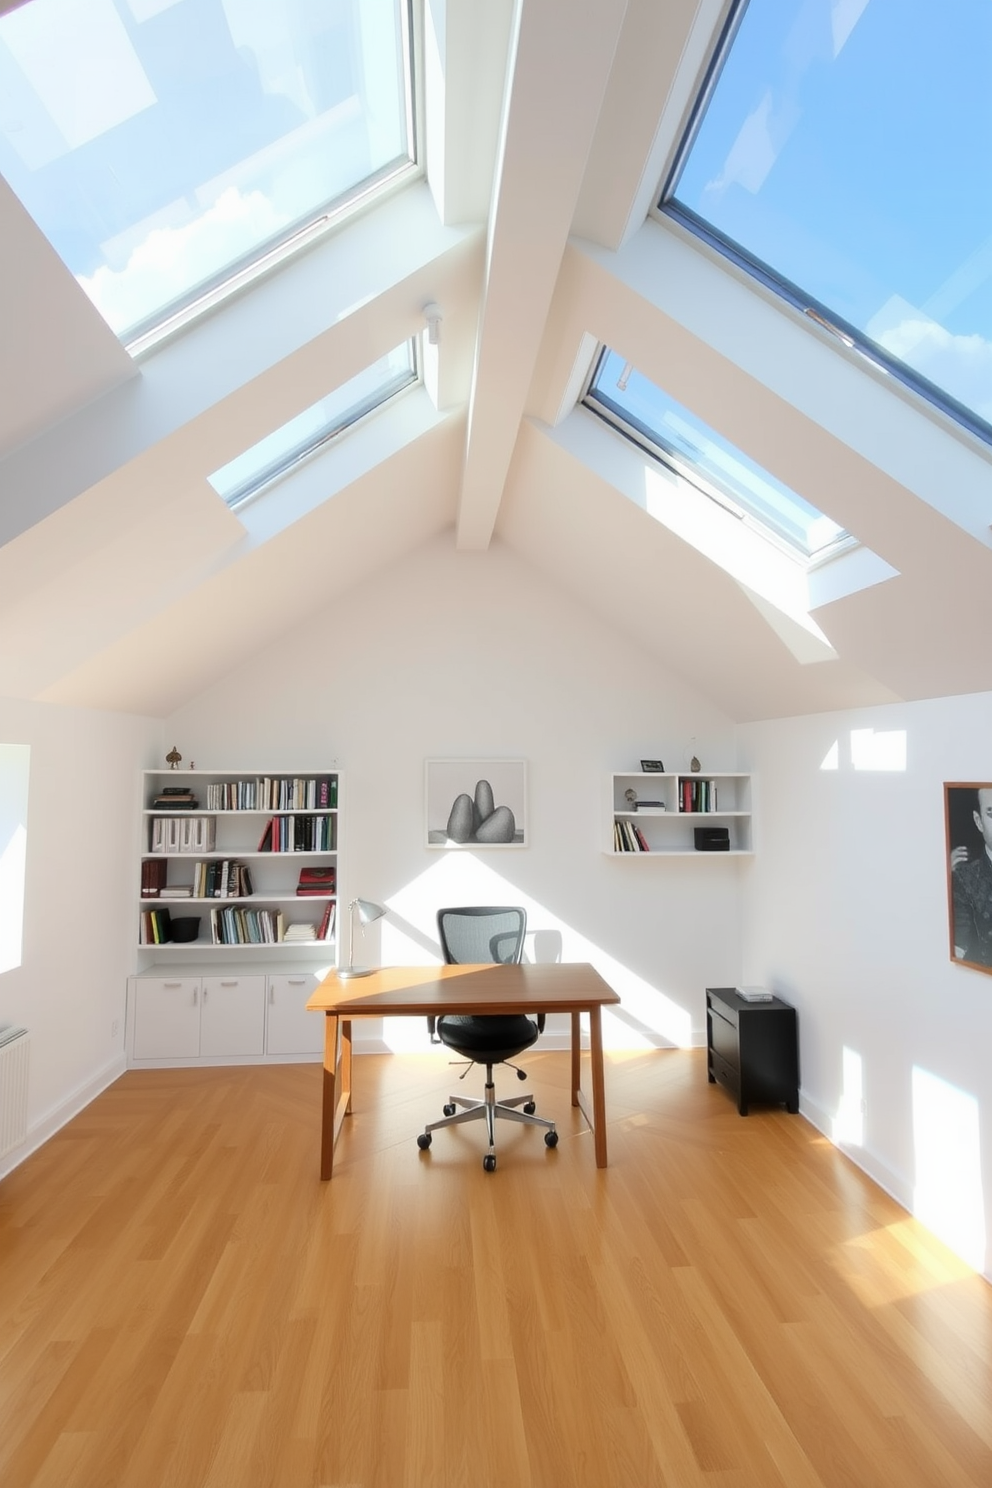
472,935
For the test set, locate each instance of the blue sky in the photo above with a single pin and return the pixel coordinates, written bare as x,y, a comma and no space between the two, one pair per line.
157,141
848,145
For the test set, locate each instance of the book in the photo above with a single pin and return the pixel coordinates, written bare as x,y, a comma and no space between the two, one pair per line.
326,927
754,994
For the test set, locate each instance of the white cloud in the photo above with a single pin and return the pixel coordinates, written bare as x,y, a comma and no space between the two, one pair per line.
172,260
959,364
758,145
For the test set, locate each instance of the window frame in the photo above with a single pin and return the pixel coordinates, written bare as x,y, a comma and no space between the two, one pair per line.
853,340
266,257
307,449
622,422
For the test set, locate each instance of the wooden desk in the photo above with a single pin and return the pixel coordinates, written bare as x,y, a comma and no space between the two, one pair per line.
429,991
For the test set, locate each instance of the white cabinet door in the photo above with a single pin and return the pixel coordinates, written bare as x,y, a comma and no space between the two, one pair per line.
290,1029
166,1018
232,1019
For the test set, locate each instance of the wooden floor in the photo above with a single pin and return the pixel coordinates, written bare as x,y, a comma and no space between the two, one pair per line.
730,1303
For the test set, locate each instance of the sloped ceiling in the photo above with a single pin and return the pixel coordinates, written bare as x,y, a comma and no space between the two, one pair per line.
126,583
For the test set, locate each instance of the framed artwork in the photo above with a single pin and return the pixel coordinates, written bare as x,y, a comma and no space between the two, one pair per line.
476,803
968,824
652,767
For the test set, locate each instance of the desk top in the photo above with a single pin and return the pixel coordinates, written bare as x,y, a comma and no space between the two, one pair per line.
566,986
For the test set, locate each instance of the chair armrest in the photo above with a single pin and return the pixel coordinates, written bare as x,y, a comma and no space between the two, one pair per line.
540,1022
432,1028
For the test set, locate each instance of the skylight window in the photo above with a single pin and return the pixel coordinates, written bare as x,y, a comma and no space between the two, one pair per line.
841,154
280,452
167,148
669,432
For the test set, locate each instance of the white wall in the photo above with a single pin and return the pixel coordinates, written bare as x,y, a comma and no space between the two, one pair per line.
845,913
473,655
79,916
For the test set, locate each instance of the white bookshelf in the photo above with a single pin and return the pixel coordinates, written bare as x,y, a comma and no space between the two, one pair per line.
668,808
236,833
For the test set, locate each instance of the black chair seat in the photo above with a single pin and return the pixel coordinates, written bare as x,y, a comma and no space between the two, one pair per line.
481,935
487,1040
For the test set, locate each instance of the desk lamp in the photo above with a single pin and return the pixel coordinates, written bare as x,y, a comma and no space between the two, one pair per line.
367,912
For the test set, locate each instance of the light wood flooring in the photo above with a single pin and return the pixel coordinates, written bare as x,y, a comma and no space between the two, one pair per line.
731,1303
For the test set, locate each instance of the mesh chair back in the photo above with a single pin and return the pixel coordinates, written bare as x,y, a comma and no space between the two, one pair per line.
478,934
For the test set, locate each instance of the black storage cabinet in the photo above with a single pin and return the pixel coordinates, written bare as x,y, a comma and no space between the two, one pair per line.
752,1048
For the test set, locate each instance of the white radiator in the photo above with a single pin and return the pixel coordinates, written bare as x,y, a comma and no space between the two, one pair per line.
14,1046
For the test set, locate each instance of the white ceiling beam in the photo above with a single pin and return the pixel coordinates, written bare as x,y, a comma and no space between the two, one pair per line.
661,56
466,49
561,64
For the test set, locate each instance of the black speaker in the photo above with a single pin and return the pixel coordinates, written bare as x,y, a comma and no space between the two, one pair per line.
711,839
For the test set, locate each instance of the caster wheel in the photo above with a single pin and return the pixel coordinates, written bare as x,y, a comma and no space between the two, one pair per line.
551,1139
448,1109
530,1108
521,1074
489,1162
424,1141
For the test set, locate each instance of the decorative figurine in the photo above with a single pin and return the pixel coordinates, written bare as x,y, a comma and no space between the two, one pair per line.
172,758
630,796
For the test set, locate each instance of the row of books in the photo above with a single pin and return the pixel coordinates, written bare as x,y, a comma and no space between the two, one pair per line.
238,926
222,879
183,834
697,795
154,927
298,834
274,793
628,838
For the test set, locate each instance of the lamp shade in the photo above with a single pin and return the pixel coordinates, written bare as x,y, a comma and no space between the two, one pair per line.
365,910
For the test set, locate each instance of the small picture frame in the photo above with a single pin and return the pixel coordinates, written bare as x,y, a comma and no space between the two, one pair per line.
653,767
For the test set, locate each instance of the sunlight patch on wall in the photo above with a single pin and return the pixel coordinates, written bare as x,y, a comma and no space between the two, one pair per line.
409,938
15,762
878,751
948,1196
849,1123
831,760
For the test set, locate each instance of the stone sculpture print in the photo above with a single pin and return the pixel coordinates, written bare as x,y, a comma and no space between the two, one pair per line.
480,820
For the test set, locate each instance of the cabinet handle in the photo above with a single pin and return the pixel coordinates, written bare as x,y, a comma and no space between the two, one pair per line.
297,981
272,995
172,984
232,983
195,995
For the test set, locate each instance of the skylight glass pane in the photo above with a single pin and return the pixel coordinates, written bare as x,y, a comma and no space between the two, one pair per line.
162,144
280,451
847,147
697,452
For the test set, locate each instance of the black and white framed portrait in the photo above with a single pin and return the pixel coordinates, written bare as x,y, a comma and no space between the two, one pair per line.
968,819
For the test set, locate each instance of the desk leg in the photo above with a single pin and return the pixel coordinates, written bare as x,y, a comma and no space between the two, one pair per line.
346,1064
328,1102
336,1100
598,1085
576,1058
596,1116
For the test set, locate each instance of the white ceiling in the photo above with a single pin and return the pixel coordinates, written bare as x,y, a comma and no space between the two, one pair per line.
546,143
